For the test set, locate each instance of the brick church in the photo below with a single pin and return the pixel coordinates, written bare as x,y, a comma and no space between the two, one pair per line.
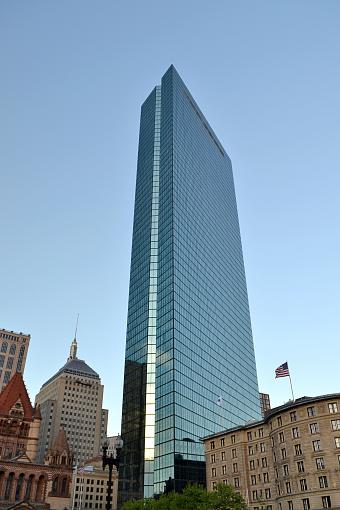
24,484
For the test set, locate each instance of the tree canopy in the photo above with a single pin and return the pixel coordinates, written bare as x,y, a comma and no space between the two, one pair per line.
224,497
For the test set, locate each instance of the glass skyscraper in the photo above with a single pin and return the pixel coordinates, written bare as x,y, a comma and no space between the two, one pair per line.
190,365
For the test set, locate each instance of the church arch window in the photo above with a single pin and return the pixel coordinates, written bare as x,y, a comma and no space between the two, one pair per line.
29,487
9,485
64,487
55,486
18,489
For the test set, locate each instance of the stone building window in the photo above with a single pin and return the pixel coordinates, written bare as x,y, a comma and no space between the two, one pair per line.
311,411
298,450
314,428
326,502
317,445
9,485
303,484
19,486
300,466
333,408
335,424
320,463
295,432
306,504
323,482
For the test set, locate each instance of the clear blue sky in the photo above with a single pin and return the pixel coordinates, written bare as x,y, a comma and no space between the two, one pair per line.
73,76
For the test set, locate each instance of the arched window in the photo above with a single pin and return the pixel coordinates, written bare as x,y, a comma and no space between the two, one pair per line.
29,487
19,486
9,485
4,346
55,485
64,487
12,349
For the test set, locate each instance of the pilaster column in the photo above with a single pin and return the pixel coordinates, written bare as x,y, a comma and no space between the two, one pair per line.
23,488
3,486
34,490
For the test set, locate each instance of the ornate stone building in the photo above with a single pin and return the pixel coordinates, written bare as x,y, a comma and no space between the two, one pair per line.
19,422
13,353
23,482
290,460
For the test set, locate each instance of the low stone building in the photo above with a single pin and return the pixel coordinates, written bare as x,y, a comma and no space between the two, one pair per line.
90,484
23,482
290,460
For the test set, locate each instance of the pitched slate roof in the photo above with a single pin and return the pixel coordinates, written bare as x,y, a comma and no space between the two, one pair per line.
74,366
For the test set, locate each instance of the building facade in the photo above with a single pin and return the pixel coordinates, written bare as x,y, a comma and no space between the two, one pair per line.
265,403
112,443
24,483
19,421
190,365
290,460
72,399
90,484
13,353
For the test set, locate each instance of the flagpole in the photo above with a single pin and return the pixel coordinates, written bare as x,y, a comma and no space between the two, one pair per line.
291,386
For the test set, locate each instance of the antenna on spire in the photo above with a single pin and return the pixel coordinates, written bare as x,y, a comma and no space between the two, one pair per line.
75,333
73,348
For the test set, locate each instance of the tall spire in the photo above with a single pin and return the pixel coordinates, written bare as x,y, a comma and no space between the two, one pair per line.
74,345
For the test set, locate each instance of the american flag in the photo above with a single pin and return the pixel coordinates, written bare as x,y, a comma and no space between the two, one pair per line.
282,371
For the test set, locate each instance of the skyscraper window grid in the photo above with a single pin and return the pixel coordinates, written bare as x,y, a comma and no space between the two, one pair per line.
204,346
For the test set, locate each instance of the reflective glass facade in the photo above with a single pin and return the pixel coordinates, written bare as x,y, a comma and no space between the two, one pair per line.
190,365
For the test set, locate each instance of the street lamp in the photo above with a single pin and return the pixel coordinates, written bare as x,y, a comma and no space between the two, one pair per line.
111,461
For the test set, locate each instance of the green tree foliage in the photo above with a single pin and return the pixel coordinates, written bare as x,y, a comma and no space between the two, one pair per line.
193,498
226,498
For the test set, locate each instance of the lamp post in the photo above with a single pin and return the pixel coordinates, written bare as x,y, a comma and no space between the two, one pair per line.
111,461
